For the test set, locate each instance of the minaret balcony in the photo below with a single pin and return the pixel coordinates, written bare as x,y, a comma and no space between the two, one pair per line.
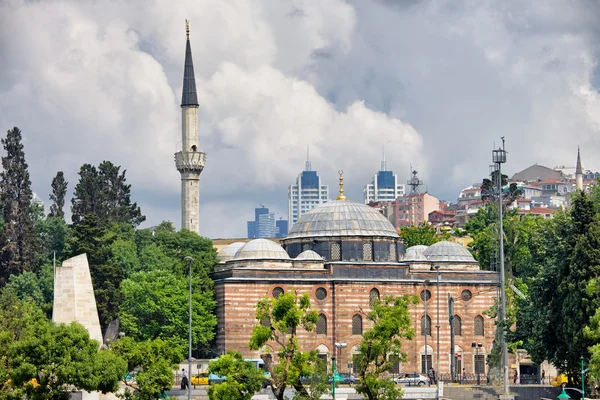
190,161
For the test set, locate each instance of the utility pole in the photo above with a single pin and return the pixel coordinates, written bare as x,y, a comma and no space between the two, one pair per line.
427,323
437,327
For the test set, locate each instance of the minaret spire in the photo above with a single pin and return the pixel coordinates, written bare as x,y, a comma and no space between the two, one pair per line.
190,160
578,172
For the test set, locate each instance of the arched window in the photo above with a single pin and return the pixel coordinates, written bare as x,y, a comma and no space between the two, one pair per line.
479,327
373,297
456,325
322,325
426,325
357,325
335,252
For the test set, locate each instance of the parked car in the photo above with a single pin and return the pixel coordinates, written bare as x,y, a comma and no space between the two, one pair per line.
200,379
559,380
346,379
412,379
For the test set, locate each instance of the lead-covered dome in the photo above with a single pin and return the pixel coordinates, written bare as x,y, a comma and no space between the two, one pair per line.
342,218
261,249
228,252
448,251
309,255
416,253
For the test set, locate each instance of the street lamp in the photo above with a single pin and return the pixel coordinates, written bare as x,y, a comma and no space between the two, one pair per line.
340,346
190,261
582,379
333,373
427,325
437,327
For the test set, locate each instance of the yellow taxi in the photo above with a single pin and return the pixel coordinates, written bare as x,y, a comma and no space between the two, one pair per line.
200,379
559,380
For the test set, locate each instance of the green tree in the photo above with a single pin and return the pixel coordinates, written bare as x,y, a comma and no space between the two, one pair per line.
423,234
242,379
279,320
59,192
382,345
103,191
27,287
18,241
154,359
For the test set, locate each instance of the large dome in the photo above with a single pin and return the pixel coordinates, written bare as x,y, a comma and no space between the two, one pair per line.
342,218
261,249
228,252
416,253
448,251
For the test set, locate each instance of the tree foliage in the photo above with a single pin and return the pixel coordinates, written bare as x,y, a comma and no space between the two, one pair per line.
278,322
423,234
103,191
242,378
18,240
59,192
382,345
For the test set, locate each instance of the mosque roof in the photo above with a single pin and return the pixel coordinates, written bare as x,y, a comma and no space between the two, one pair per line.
416,253
448,251
309,255
261,249
228,252
342,218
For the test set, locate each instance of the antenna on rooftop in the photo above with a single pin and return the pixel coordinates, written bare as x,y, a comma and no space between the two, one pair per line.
307,166
414,182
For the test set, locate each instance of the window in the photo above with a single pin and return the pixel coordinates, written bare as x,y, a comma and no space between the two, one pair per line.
479,328
335,252
466,295
480,364
277,292
322,325
373,297
357,325
367,251
456,325
425,295
426,325
266,321
321,293
425,370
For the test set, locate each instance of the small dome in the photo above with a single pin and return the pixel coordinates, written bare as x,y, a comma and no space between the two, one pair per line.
416,253
261,249
228,252
342,218
448,251
309,255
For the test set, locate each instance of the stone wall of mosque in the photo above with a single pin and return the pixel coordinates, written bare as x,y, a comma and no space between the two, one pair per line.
343,305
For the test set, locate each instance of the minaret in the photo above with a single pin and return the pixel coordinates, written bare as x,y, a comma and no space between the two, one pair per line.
578,173
189,161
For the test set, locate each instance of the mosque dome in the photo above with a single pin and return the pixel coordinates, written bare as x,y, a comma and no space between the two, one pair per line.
261,249
342,218
228,252
448,251
416,253
309,255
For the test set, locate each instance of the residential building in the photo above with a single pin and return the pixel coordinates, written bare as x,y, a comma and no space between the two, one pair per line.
305,194
386,208
439,218
414,209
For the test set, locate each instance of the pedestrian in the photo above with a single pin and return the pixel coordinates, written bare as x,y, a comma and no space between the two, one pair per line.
543,377
515,377
434,379
185,384
464,377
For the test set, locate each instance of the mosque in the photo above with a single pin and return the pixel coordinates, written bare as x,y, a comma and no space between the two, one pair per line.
345,255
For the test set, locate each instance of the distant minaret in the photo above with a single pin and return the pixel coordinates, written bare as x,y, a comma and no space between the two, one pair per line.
578,173
189,161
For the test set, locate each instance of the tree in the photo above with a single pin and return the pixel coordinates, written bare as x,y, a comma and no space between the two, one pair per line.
154,359
103,191
279,319
18,242
423,234
242,379
59,191
382,345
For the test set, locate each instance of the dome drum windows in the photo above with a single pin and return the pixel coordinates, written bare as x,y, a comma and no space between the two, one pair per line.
367,251
336,253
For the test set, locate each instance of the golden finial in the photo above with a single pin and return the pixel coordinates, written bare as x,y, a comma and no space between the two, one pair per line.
341,196
187,29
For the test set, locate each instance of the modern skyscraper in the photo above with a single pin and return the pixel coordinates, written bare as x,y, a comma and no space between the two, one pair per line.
264,225
189,161
306,193
282,226
384,186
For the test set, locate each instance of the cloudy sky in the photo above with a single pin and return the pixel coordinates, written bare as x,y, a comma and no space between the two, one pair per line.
439,82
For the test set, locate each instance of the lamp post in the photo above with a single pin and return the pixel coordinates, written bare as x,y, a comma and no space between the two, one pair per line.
582,379
339,347
333,372
427,329
437,327
190,261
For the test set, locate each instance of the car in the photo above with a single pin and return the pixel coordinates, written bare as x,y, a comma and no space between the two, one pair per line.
200,379
559,380
344,378
412,379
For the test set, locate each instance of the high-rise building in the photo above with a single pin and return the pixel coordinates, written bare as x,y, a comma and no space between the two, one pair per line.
306,193
282,228
384,186
263,225
189,161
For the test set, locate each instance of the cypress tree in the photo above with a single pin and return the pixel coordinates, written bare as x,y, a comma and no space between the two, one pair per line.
17,239
59,191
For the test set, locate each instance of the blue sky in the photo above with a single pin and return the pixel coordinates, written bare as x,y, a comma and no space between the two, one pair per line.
442,80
